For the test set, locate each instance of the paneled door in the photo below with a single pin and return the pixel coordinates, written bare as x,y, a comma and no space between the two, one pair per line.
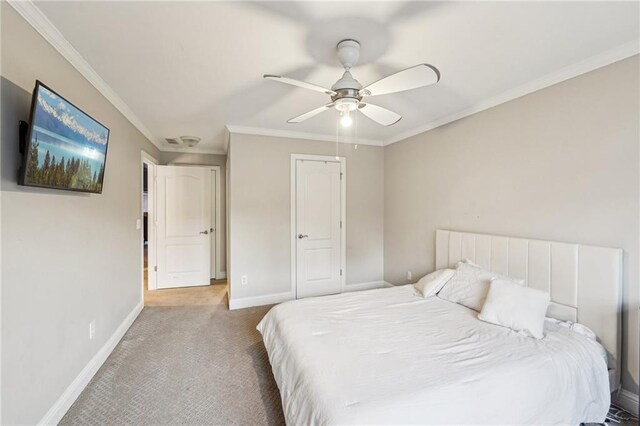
213,228
183,226
318,228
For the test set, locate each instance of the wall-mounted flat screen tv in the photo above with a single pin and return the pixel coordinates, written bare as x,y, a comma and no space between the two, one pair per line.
65,148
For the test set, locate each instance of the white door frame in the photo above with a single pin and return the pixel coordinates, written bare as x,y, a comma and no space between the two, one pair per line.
216,170
343,215
151,162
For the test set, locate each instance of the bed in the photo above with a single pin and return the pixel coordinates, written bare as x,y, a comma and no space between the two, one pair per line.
389,356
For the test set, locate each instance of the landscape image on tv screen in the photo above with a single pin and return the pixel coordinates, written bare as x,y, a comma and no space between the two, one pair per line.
66,147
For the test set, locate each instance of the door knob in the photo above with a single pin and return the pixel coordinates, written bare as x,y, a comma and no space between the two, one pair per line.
300,236
205,232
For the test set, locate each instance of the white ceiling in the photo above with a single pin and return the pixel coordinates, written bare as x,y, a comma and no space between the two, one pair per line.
192,68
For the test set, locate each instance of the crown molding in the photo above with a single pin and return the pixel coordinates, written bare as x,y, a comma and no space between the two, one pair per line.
290,134
39,21
227,139
597,61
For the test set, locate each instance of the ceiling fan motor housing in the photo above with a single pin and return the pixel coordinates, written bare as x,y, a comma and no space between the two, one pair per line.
347,89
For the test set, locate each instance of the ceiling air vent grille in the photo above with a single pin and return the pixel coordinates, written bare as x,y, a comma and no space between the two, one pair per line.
172,141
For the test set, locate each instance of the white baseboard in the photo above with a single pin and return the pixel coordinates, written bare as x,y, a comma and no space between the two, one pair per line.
628,401
221,275
68,397
364,286
386,284
268,299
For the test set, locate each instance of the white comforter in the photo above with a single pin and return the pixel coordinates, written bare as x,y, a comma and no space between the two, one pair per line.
389,356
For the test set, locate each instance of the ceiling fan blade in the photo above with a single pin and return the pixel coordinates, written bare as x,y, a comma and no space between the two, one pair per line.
308,115
299,83
380,115
411,78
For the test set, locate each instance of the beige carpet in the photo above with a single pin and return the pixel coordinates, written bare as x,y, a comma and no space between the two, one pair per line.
195,365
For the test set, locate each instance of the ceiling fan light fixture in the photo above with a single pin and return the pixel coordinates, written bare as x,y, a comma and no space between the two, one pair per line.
346,104
345,119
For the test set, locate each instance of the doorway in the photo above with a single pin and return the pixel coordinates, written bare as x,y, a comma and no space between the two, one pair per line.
318,225
181,242
148,222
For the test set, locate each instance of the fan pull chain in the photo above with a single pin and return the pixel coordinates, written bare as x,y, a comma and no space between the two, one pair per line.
337,138
355,131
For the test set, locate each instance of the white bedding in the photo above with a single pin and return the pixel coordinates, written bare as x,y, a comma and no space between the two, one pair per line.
389,356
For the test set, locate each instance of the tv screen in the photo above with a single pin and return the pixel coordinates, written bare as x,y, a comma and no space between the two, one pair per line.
65,148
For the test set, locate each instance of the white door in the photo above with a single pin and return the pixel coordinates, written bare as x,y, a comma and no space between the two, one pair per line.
318,229
183,226
212,235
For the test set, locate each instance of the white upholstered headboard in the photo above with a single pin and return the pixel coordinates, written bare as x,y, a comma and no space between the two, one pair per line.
585,282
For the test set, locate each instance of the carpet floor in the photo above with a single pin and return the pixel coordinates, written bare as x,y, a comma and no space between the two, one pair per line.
195,365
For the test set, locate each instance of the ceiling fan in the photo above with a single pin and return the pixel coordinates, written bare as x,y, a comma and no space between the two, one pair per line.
347,94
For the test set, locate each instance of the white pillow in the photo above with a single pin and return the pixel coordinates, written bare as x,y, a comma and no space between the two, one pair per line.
469,285
431,283
516,307
467,262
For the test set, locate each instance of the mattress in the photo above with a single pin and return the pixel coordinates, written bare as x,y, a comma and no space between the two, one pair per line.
389,356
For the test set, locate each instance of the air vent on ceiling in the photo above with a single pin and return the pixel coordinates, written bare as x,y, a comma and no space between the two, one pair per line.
172,141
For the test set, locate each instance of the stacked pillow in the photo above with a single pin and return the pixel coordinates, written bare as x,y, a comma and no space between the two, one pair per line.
431,284
470,285
501,300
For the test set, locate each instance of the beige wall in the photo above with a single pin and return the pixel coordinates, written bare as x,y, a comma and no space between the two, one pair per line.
260,211
177,158
67,258
560,164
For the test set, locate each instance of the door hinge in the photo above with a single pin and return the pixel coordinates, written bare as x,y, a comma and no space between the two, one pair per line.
340,175
155,269
340,272
340,224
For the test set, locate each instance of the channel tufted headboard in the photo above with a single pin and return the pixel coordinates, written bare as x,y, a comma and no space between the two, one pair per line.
585,282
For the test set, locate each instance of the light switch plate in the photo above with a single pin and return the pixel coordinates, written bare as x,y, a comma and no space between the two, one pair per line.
138,224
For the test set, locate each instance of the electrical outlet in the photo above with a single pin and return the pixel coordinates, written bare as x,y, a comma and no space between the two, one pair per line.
92,329
243,280
409,275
